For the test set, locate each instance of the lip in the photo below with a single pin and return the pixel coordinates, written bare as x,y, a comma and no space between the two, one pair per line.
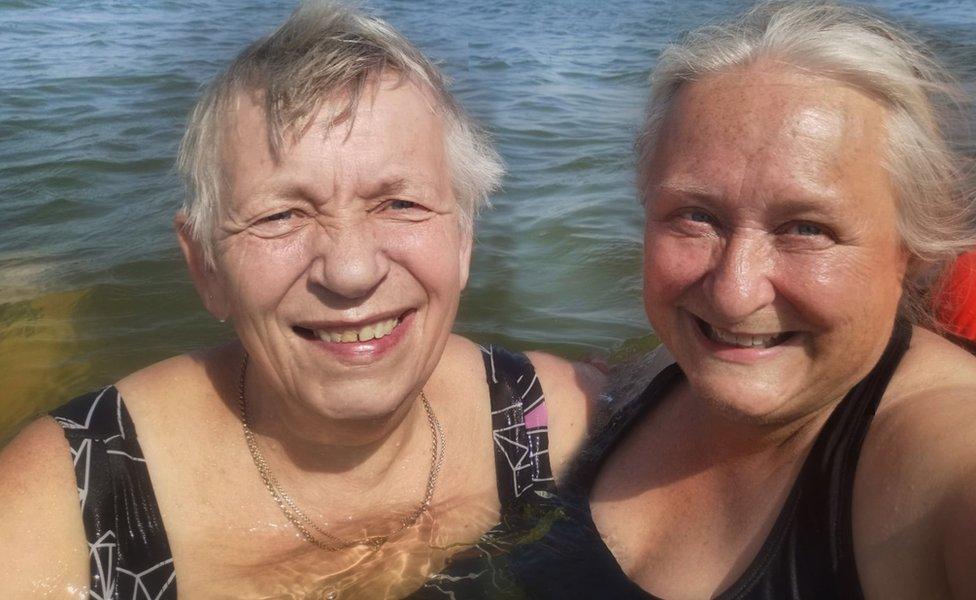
362,353
350,324
735,354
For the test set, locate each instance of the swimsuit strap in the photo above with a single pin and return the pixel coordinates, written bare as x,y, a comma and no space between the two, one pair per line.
587,465
808,554
128,548
520,429
810,551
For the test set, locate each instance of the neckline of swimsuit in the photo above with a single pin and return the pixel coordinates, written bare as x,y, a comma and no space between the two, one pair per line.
583,475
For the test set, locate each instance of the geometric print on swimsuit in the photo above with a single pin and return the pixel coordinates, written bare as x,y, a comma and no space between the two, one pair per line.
111,580
97,436
81,449
520,435
521,429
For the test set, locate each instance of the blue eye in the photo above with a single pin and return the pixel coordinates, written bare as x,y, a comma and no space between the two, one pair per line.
807,229
699,216
401,204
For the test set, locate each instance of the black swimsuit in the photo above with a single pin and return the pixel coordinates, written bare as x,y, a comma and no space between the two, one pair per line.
129,551
809,554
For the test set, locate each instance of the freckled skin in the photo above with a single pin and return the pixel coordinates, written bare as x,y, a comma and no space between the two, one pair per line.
769,211
753,149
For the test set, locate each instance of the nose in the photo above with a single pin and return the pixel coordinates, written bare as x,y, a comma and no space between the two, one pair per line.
350,261
739,284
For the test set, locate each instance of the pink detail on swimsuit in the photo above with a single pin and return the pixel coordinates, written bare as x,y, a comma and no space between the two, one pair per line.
537,417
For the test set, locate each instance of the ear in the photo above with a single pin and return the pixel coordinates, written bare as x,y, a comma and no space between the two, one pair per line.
467,242
204,278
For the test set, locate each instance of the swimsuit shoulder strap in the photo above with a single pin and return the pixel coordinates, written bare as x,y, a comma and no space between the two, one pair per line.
633,390
520,428
128,548
811,545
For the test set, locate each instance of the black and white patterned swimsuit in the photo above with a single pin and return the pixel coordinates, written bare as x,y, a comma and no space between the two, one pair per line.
129,550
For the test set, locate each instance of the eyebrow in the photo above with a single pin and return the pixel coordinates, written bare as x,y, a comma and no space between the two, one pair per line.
811,202
387,187
693,190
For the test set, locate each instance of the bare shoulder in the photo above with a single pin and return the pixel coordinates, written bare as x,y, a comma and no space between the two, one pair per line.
180,377
572,390
627,379
462,359
926,423
931,400
917,471
43,543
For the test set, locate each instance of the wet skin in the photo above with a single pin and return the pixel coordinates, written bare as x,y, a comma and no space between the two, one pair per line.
771,214
348,228
772,272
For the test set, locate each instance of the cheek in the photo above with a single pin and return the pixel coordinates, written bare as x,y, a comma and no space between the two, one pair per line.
672,265
429,252
853,280
259,272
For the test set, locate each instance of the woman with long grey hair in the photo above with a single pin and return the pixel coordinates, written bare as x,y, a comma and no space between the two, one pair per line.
804,431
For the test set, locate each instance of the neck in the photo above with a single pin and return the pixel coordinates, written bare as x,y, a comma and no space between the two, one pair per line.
365,453
738,443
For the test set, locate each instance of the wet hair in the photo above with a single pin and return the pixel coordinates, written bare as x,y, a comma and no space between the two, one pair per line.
325,51
932,178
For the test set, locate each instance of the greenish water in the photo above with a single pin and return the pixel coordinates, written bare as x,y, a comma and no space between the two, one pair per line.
93,101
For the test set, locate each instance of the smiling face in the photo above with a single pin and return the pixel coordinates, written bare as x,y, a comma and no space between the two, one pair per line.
773,266
341,263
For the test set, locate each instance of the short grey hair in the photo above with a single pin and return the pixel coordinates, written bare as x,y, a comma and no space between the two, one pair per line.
323,51
931,176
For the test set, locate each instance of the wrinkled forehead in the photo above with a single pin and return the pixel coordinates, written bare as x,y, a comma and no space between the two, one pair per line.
248,116
393,136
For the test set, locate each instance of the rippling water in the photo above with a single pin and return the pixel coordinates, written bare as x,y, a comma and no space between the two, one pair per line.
92,105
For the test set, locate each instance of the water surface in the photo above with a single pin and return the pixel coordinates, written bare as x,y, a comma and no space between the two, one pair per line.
94,98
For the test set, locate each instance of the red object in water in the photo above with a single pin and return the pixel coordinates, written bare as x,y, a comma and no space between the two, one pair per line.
956,303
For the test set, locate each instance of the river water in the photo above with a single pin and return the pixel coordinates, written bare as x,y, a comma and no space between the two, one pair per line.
93,97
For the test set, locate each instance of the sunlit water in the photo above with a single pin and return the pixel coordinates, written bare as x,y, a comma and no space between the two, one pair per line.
92,105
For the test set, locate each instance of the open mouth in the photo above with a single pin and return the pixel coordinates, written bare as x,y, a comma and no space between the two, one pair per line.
742,340
350,335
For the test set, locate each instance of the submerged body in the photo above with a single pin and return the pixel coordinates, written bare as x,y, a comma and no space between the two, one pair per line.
333,188
811,530
799,198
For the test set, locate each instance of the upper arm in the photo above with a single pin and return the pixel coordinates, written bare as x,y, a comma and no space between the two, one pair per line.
915,498
959,542
571,391
42,545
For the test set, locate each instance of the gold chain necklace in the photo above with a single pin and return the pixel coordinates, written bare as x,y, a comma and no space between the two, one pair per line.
301,521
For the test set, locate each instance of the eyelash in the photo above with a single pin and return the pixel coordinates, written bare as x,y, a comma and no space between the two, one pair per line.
801,224
278,216
703,217
695,217
393,204
689,214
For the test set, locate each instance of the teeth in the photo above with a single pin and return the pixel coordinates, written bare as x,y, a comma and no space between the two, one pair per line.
743,340
373,331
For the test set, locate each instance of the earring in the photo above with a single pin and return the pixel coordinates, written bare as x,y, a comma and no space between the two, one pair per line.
222,320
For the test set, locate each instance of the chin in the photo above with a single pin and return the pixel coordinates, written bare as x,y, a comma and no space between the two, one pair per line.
755,402
361,410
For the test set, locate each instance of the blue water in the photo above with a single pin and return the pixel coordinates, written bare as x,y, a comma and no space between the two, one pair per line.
92,106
